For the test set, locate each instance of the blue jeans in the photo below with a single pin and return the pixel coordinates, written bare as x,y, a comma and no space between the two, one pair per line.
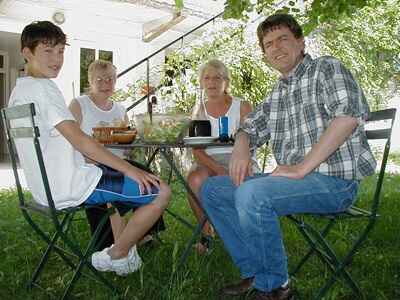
247,217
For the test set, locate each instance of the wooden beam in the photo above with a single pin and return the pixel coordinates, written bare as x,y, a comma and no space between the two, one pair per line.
3,6
169,7
155,32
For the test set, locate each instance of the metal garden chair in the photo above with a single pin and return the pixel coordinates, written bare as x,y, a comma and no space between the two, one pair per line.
60,241
316,236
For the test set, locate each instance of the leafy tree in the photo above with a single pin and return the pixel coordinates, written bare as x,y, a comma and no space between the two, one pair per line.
251,79
362,34
316,12
368,43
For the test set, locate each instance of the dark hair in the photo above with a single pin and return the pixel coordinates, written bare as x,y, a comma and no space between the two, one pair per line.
42,32
275,21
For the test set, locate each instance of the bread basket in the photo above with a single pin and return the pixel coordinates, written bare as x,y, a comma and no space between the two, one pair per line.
109,135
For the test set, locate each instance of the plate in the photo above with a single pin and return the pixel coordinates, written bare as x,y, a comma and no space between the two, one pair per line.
195,140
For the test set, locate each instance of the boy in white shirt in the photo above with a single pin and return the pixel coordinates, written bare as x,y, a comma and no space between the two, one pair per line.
72,181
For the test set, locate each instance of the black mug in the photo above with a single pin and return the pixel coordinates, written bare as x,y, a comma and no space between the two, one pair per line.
199,128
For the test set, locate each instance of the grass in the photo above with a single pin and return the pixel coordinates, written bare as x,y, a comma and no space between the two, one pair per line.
394,157
376,267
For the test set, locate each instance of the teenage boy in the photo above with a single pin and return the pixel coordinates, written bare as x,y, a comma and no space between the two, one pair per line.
313,120
72,181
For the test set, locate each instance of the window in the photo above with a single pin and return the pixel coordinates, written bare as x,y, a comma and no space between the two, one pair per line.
106,55
87,56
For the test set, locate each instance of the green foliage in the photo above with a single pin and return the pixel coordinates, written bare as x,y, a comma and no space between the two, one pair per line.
368,43
363,34
179,4
251,79
316,12
131,92
236,8
395,157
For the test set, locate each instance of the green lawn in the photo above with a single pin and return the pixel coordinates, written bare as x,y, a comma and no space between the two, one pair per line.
377,267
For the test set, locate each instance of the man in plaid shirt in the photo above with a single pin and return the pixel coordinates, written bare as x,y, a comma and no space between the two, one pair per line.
313,120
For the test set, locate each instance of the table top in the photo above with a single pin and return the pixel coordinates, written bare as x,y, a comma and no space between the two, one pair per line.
144,144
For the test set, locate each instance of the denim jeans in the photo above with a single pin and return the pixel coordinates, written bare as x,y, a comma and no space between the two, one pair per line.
247,217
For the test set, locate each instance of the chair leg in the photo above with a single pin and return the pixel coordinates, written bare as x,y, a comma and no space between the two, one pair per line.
43,261
334,277
300,225
83,257
341,271
77,274
328,256
51,246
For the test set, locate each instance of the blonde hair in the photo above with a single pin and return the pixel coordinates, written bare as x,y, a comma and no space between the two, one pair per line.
217,65
99,64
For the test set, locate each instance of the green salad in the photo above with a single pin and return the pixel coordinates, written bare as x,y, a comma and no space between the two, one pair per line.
164,131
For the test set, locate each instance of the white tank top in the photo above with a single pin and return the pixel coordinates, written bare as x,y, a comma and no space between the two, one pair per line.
92,115
233,115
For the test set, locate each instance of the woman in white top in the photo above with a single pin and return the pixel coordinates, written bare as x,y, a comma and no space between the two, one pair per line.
94,108
214,79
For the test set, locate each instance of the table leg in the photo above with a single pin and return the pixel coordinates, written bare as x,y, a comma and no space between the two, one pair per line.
196,229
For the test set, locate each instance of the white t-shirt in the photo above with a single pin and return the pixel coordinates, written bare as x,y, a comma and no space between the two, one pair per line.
71,179
92,115
233,115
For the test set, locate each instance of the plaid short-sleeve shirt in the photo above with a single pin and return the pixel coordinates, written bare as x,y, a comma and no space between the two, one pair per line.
299,110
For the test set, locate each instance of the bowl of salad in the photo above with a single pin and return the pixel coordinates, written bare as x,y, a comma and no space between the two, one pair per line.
164,128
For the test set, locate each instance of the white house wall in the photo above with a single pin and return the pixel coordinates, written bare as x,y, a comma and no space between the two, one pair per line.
96,24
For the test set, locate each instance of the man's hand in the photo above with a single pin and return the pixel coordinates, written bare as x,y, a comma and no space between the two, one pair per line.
240,160
293,172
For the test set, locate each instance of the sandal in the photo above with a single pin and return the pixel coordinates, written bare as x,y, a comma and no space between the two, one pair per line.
204,245
146,240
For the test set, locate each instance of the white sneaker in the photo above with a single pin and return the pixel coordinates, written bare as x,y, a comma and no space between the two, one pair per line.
102,261
134,257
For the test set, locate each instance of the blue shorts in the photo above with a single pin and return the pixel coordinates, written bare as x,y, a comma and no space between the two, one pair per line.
115,187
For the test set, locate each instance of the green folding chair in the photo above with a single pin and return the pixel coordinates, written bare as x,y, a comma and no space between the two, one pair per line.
60,240
316,236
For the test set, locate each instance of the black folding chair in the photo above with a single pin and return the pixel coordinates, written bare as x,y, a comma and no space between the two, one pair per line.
316,236
75,255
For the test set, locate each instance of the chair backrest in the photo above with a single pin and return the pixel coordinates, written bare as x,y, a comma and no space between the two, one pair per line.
19,124
385,134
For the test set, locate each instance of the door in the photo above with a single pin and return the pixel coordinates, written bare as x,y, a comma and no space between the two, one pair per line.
3,98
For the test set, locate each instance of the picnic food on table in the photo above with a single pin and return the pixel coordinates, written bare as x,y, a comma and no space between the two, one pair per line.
116,131
163,128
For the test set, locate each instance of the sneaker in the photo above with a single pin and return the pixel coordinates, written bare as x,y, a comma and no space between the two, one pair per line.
134,257
204,246
103,262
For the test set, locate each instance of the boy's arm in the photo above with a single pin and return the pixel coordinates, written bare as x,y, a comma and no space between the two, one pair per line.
95,151
76,110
